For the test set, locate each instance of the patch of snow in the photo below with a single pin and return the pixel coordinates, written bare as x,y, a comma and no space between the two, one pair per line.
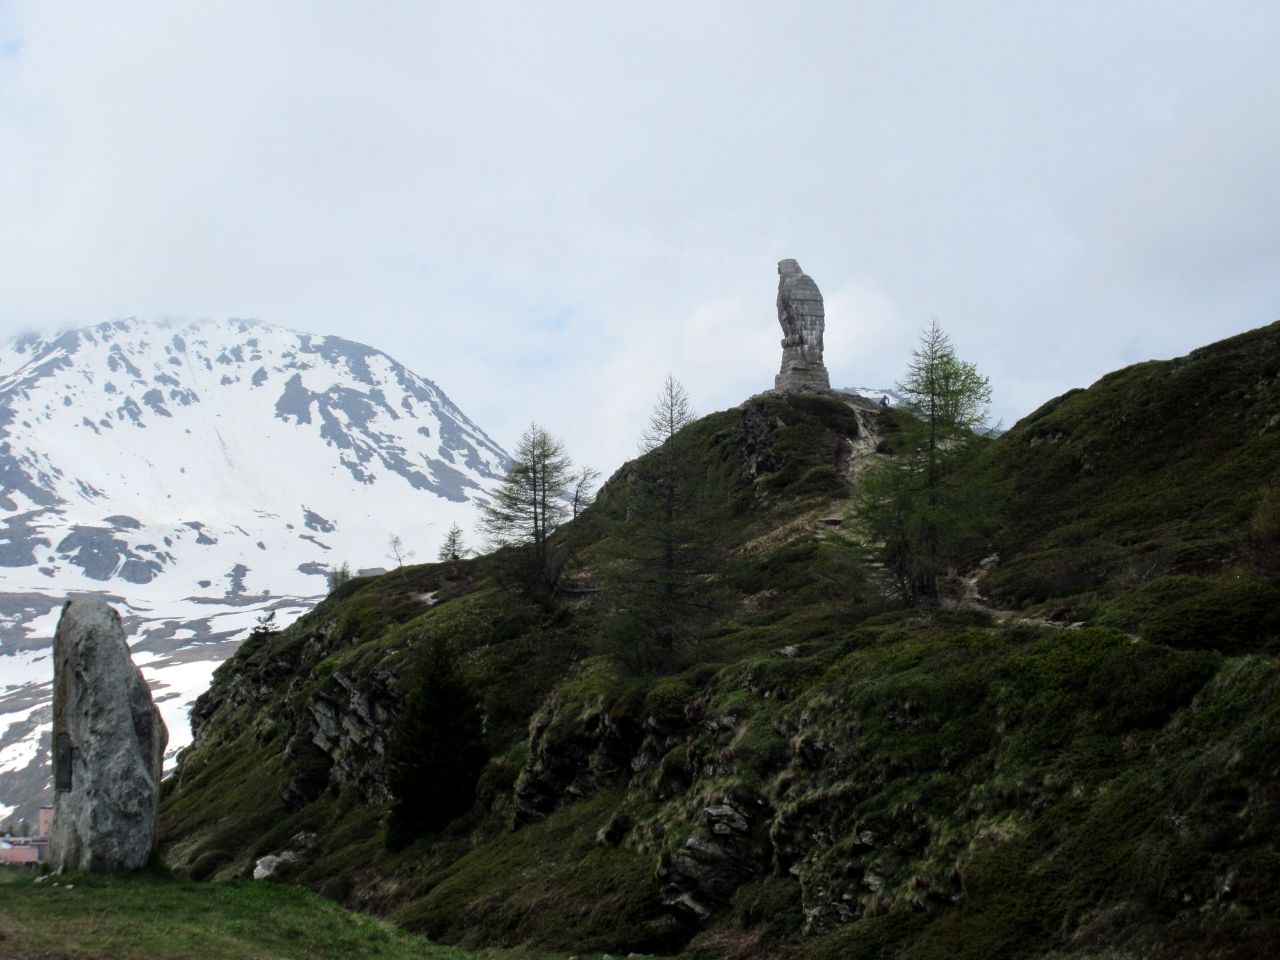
29,666
16,717
20,755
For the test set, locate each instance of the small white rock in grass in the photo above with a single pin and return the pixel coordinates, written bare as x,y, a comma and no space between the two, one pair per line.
268,865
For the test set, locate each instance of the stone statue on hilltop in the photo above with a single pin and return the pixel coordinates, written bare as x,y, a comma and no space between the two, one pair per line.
803,320
108,746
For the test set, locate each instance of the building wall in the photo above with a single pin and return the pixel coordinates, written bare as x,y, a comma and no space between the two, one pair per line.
20,856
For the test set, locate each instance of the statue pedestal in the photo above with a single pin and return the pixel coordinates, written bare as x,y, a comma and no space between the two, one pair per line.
801,377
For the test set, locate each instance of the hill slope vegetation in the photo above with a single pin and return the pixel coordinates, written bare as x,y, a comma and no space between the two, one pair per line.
1087,764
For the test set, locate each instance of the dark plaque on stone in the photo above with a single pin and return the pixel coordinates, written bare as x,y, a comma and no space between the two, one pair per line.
62,764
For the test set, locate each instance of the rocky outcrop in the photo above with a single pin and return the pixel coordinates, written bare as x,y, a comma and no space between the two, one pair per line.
702,876
574,748
109,745
349,721
337,730
266,867
715,826
803,319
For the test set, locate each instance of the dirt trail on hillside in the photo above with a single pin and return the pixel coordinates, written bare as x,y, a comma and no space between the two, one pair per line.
971,599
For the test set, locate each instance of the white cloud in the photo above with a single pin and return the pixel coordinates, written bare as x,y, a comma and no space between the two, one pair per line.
547,207
869,337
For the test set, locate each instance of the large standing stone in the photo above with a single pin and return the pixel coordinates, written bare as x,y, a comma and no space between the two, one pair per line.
108,746
803,320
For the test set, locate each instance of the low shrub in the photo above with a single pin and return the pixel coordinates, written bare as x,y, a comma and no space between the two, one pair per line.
770,901
1237,616
1264,531
209,863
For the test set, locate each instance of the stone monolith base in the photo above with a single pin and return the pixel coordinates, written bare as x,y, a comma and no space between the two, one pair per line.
800,377
108,746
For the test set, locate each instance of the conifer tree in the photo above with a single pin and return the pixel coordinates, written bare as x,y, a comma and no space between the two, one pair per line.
657,589
338,575
453,549
921,505
540,490
671,413
436,753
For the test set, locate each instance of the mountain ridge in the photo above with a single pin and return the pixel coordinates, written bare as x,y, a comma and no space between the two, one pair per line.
202,475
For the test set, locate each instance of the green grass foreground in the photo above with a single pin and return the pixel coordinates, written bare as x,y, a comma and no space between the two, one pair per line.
137,917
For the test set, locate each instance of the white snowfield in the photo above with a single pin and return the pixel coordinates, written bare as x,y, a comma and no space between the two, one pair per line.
199,475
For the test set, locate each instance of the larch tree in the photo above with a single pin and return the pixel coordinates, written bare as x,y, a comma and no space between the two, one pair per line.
658,586
921,505
452,550
671,413
540,490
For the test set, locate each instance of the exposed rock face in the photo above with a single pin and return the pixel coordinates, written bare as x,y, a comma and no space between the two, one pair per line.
265,867
350,723
339,729
803,320
571,758
109,745
703,875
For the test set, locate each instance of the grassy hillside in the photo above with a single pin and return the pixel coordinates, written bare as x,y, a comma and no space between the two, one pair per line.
813,771
1159,470
257,783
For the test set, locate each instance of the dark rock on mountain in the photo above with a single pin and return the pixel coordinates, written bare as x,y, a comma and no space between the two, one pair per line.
350,722
572,756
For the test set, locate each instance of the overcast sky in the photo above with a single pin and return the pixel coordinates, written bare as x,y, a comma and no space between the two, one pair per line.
546,207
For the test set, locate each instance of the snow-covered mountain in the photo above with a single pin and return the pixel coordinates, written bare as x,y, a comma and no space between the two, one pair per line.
199,475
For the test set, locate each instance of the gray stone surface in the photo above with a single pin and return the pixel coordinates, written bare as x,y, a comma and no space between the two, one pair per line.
106,820
266,866
803,319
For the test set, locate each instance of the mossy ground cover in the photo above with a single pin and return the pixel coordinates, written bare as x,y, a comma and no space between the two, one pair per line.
231,802
548,885
1075,790
1003,737
1155,470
